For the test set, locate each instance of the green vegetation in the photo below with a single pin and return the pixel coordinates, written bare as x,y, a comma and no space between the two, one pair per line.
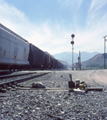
94,67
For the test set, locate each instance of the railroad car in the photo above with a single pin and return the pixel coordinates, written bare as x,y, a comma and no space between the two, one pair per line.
36,57
55,63
18,53
48,60
14,50
60,65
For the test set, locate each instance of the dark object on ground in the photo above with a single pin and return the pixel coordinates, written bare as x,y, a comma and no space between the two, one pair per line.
70,75
94,89
82,85
38,85
77,83
71,84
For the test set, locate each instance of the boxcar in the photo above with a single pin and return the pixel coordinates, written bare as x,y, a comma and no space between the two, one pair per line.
14,50
48,60
53,63
60,65
36,57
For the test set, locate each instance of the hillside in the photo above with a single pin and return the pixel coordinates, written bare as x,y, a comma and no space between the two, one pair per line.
95,62
67,66
67,56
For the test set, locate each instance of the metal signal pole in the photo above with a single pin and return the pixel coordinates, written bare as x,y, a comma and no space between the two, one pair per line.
72,42
105,51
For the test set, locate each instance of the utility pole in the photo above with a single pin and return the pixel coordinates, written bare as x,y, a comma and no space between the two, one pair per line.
105,51
72,42
80,60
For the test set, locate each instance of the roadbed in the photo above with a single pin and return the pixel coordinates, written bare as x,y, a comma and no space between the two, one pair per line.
58,105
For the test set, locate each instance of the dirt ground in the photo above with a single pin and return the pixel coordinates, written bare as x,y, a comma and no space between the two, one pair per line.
99,76
55,105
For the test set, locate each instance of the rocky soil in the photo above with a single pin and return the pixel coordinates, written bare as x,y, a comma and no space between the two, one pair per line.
57,105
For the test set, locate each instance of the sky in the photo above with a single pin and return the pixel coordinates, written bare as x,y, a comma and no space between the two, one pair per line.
48,24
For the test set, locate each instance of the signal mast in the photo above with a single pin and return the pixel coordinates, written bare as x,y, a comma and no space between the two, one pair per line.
72,42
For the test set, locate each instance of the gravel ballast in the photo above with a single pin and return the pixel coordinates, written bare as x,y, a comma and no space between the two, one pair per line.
57,105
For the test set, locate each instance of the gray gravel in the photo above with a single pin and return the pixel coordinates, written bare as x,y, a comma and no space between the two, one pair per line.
55,105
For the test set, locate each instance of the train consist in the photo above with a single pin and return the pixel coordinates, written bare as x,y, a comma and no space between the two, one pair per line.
18,53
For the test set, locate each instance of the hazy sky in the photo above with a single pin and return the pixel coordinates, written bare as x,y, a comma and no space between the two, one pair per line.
48,24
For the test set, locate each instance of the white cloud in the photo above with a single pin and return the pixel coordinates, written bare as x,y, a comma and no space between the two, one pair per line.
96,12
43,36
96,5
17,21
56,38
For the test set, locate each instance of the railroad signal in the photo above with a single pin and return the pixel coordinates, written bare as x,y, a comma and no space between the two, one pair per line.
72,42
72,35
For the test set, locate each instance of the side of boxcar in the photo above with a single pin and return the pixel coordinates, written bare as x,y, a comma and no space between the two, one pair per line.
60,65
36,57
55,63
14,50
49,61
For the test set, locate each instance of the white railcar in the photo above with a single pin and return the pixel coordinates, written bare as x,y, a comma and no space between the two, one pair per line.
14,50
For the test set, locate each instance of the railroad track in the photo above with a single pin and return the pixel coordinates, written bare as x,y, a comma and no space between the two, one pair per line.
8,82
15,75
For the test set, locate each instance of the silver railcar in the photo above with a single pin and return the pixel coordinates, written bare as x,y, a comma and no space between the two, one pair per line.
14,50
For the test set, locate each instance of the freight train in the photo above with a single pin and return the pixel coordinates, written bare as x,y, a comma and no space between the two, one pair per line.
18,53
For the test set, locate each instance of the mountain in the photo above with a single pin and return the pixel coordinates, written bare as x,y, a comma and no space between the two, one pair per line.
95,62
66,65
67,56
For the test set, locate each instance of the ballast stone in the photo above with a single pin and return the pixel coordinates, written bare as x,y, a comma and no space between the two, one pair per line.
37,85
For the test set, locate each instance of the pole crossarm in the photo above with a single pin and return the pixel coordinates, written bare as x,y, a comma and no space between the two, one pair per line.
105,36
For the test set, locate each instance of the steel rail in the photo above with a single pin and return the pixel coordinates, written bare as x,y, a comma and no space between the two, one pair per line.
16,75
23,79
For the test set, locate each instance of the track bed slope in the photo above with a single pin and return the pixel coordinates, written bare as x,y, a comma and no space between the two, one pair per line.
58,105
